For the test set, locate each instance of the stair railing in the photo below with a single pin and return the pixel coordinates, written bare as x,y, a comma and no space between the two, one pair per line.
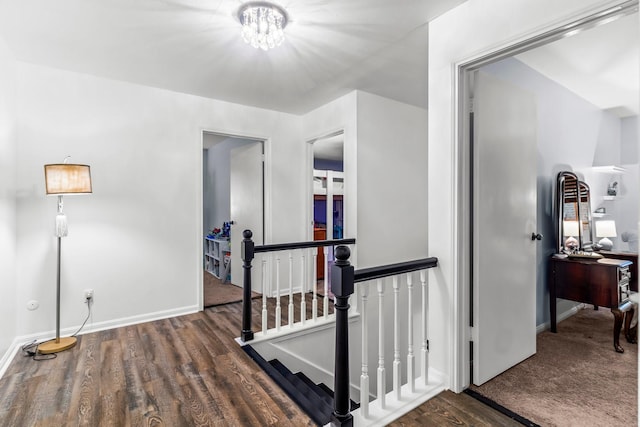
248,251
343,280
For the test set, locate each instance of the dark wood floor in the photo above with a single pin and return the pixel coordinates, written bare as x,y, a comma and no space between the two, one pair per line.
183,371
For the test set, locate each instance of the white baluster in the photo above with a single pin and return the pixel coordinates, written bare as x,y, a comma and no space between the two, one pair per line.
410,356
303,279
424,360
382,392
397,375
364,377
291,319
314,284
325,250
278,307
264,295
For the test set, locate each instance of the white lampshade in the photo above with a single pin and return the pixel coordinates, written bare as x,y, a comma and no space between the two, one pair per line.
570,228
606,229
65,178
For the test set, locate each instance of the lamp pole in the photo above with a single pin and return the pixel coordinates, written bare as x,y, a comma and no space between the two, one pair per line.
58,344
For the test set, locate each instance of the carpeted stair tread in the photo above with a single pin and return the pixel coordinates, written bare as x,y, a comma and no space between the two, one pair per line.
354,405
280,367
305,386
316,388
317,409
310,393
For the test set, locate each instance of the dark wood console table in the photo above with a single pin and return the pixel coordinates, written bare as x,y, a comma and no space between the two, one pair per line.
591,282
629,256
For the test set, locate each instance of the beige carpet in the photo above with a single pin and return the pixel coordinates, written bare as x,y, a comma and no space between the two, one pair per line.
575,378
218,293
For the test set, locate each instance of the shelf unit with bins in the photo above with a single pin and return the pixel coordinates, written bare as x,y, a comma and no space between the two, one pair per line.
216,256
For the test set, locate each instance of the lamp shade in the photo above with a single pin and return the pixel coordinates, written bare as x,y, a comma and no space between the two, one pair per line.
606,229
66,178
570,228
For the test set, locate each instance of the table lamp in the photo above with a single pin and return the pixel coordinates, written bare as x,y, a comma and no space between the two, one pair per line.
63,179
606,229
571,229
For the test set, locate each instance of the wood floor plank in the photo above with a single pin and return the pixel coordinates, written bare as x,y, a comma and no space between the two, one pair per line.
183,371
450,409
86,387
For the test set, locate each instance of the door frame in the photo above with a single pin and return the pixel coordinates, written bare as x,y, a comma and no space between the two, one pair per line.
309,174
463,173
309,214
267,186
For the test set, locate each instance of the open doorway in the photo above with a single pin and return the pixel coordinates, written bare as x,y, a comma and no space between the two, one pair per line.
233,200
328,193
572,131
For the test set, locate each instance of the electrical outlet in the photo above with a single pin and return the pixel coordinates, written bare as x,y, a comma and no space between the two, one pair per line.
88,293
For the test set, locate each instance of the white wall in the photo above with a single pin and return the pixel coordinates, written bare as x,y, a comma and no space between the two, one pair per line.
339,114
629,141
388,141
137,239
471,30
630,187
217,182
9,306
392,177
385,146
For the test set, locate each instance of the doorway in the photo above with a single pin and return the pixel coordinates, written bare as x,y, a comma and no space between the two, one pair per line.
233,201
503,66
327,183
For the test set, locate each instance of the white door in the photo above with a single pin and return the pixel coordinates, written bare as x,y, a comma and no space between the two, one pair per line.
246,182
504,260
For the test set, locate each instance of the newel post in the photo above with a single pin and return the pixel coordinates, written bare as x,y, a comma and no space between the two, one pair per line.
342,286
247,253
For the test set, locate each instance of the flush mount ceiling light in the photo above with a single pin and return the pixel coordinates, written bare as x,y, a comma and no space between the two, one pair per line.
262,24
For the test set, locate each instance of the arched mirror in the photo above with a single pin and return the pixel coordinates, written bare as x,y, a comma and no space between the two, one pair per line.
586,235
573,219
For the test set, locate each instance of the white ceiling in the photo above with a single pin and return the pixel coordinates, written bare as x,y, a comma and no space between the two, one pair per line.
332,47
194,46
601,64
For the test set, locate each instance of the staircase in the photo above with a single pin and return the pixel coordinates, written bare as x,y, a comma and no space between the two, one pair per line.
315,399
411,382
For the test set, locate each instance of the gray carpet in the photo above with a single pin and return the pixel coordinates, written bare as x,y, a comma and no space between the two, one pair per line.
575,378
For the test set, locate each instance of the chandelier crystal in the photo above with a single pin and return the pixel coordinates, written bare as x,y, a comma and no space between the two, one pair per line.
262,24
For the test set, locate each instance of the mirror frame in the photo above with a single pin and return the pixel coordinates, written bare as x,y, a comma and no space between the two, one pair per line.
581,200
586,229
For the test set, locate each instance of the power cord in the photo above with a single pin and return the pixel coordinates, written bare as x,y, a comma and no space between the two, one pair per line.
31,349
89,302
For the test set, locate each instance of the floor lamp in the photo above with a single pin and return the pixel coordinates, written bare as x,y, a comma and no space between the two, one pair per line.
63,179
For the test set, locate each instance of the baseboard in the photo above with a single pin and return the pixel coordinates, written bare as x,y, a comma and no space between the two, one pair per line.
19,341
134,320
8,356
562,316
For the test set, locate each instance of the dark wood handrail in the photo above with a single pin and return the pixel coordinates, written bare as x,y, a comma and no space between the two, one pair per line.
302,245
365,274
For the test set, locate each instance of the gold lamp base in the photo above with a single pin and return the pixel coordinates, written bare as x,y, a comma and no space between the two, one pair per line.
52,346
